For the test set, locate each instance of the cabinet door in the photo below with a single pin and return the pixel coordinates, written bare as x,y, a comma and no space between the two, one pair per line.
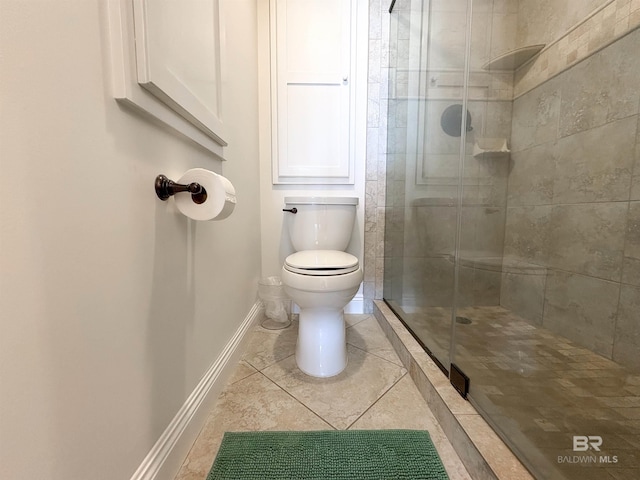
312,69
178,58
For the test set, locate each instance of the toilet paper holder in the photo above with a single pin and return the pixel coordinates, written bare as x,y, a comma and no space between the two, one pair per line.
165,188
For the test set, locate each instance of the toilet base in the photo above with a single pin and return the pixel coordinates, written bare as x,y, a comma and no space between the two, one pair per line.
321,350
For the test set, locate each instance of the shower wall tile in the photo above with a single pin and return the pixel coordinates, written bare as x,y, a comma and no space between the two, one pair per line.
373,107
465,295
435,229
491,195
492,170
527,233
593,156
436,281
588,239
631,266
371,195
497,123
503,33
589,96
456,6
403,60
487,287
582,309
595,165
578,34
532,176
471,172
369,266
375,20
478,287
535,117
400,113
395,218
374,61
449,27
379,283
542,21
635,182
392,167
631,271
404,24
393,246
380,59
380,228
501,87
500,6
627,338
481,36
393,281
440,169
523,295
483,231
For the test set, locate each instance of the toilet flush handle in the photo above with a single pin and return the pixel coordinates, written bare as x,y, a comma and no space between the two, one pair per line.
292,210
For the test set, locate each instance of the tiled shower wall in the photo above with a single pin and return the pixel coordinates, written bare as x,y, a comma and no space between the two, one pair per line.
574,203
378,74
571,34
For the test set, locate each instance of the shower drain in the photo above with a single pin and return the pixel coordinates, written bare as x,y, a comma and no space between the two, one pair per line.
463,320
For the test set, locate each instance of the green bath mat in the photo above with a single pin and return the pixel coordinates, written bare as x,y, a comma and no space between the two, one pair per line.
328,455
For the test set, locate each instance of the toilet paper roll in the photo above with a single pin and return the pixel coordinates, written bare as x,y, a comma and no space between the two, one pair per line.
221,196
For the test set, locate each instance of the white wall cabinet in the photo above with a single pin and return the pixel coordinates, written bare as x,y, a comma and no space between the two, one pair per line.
167,61
312,95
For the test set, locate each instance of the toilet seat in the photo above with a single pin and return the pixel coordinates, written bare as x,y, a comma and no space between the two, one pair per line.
321,263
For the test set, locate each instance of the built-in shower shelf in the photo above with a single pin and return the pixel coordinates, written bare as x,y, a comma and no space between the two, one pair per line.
495,147
514,59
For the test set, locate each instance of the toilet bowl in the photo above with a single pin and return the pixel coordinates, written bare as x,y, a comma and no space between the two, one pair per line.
321,278
321,294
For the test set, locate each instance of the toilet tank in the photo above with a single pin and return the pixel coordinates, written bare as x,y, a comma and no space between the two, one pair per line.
321,223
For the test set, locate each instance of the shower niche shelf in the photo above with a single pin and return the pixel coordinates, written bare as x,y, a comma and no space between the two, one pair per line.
493,147
514,59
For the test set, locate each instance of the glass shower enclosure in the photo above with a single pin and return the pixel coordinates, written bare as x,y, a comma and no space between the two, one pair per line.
512,226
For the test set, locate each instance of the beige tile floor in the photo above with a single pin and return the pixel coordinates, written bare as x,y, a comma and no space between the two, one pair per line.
268,392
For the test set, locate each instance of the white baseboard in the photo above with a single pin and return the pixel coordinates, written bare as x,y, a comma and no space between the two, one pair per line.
166,457
356,305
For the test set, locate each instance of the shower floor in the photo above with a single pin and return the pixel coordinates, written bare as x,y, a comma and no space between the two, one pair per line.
538,390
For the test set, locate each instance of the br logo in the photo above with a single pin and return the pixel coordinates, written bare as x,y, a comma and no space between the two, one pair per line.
582,443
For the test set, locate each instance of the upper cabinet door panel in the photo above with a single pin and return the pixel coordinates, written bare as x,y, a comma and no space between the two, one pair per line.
312,95
178,57
313,38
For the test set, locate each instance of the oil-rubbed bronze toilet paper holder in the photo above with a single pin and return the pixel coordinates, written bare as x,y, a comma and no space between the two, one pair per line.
165,188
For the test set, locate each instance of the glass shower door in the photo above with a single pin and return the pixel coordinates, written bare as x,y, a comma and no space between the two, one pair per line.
425,127
546,303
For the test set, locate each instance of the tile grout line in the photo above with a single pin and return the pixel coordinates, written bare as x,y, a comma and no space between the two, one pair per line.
378,356
297,400
377,400
368,316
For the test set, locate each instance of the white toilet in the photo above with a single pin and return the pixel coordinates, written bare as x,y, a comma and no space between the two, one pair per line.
321,278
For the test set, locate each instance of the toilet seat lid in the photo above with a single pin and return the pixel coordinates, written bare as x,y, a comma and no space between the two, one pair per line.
321,262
